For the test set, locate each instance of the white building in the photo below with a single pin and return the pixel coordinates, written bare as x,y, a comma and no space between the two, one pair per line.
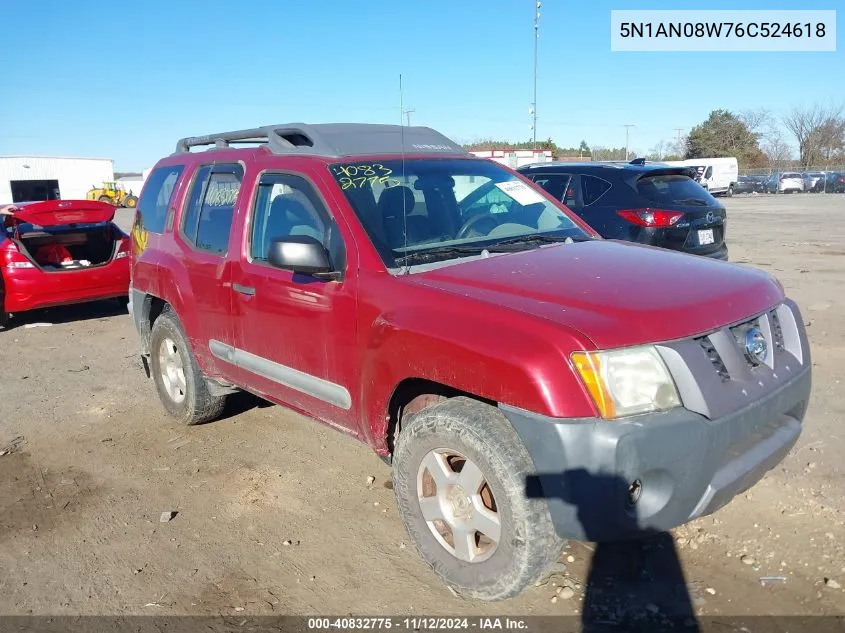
132,184
514,158
28,178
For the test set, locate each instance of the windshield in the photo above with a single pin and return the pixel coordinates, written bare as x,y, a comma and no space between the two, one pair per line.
446,208
673,188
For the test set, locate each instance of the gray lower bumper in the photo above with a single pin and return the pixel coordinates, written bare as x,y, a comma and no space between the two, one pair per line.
689,466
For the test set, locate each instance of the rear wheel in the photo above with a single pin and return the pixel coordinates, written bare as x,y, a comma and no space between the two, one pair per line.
180,384
459,476
105,199
730,193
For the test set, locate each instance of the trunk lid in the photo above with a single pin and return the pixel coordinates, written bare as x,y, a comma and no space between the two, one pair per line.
616,294
50,213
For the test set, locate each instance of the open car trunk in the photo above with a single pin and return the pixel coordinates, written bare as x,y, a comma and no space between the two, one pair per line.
59,235
65,248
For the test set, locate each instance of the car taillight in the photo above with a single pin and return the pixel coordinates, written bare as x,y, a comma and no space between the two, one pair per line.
123,250
652,218
15,260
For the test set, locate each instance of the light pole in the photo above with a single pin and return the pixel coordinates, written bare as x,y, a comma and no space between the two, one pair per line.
627,127
533,110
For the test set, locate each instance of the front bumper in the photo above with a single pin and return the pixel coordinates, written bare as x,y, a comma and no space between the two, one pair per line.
688,465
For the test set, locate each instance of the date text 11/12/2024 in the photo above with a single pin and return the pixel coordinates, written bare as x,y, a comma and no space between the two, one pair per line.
417,623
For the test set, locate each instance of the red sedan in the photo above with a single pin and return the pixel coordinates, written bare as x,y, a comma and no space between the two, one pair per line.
60,252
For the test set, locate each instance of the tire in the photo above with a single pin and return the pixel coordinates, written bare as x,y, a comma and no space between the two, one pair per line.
4,319
527,545
730,193
105,199
130,202
196,404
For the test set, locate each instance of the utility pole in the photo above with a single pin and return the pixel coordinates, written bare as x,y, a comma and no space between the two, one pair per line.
533,110
679,130
407,114
627,127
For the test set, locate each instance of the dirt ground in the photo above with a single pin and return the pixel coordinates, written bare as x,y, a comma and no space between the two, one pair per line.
275,514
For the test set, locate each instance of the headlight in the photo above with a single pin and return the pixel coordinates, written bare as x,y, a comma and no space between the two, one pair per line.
627,381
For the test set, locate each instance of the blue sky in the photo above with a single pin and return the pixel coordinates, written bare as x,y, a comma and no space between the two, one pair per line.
71,83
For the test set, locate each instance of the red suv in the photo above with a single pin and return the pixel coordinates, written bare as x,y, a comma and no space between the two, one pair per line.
527,380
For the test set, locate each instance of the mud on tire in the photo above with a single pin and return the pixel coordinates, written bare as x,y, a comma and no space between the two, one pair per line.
179,381
527,543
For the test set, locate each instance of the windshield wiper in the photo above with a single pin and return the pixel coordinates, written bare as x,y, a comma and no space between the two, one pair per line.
696,201
529,240
437,254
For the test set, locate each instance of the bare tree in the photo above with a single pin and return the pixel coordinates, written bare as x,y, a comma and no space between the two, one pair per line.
659,151
776,149
818,129
760,122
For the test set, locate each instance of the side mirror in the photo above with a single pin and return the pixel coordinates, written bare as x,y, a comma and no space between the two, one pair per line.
301,254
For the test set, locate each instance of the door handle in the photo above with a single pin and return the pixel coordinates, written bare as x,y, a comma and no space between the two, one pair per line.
244,290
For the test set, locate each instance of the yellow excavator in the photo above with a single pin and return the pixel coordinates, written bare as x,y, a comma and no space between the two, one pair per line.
113,193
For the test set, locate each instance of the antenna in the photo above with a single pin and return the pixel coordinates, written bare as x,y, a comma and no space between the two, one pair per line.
404,177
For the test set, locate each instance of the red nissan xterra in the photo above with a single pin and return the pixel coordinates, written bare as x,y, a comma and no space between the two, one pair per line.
527,380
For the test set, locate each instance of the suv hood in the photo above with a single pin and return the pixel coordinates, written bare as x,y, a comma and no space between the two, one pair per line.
616,294
61,213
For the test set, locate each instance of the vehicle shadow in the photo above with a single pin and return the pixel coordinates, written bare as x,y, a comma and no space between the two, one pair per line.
241,402
633,585
69,314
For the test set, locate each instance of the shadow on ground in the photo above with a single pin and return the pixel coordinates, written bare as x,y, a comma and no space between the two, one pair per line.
69,314
633,585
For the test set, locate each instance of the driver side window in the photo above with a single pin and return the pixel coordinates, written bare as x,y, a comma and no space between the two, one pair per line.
286,206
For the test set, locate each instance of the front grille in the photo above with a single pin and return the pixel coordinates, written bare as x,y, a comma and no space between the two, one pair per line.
714,358
777,332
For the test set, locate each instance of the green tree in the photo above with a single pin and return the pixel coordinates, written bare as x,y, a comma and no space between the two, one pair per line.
725,134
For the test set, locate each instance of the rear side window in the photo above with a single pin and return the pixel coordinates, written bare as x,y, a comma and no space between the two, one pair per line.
555,184
207,220
155,200
673,188
593,188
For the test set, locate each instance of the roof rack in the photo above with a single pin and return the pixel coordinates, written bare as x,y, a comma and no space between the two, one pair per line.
331,139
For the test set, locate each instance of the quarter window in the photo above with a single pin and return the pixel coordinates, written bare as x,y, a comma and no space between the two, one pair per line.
207,220
593,188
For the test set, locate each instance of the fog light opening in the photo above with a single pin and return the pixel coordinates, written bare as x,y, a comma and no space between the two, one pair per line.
635,491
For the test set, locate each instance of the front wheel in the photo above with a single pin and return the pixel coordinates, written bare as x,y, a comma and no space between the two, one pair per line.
179,381
130,202
459,475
